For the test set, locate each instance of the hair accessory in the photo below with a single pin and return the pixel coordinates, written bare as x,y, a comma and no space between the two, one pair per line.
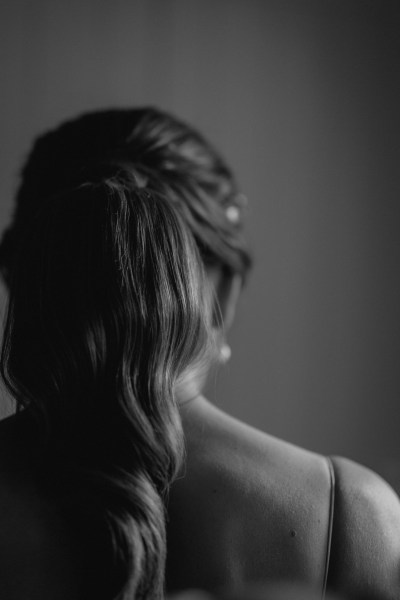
232,214
233,211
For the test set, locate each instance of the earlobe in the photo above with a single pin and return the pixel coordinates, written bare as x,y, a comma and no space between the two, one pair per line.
225,289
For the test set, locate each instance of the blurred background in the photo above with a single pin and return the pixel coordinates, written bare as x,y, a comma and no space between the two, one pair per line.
302,97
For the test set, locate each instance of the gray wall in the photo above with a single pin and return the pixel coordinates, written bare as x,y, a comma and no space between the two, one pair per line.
302,97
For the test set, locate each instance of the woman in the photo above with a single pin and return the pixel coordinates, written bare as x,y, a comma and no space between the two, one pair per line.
245,507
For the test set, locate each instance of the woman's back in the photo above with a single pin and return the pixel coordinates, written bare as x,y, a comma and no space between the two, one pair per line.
39,557
250,507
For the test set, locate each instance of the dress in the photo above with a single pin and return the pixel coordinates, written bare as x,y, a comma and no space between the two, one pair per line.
363,534
330,523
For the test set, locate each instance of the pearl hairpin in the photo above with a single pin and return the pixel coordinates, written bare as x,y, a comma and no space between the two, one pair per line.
232,214
233,211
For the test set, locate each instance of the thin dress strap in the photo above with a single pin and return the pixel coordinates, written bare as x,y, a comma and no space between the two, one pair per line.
330,523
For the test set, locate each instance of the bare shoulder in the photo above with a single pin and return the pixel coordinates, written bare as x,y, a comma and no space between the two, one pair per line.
258,507
365,556
35,549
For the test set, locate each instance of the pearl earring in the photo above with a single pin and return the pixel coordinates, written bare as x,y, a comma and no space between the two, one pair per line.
225,353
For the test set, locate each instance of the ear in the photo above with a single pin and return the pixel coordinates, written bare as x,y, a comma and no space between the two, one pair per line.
227,289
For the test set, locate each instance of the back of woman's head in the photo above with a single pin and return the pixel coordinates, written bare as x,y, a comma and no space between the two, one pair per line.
106,311
160,152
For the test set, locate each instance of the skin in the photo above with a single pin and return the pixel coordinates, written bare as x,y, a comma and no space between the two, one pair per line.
251,508
258,592
247,508
37,552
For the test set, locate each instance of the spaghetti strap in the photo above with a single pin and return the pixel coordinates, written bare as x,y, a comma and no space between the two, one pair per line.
330,523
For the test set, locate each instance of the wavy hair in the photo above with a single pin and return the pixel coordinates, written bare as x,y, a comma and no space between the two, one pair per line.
159,150
106,310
